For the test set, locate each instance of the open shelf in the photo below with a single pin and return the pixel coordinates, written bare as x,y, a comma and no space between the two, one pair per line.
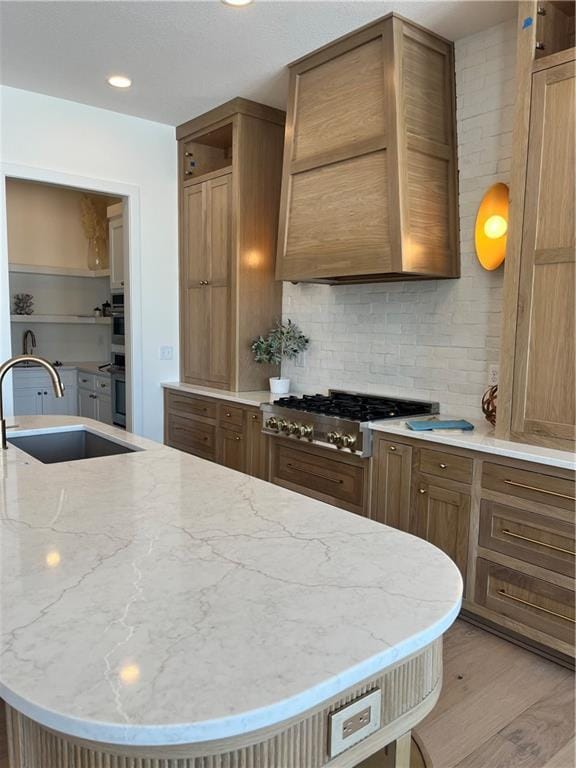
69,319
207,153
34,269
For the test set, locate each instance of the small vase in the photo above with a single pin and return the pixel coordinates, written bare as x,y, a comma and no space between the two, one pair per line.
279,386
97,253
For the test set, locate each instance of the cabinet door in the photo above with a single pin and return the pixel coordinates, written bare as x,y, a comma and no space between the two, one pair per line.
392,467
219,219
196,336
257,446
104,408
87,404
116,249
27,401
442,517
544,370
60,406
232,449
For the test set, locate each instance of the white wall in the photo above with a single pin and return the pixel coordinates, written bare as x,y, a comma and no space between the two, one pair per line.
432,339
53,137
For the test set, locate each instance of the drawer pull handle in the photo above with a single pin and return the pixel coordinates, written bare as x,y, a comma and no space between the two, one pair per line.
442,466
540,490
315,474
534,605
236,437
228,415
536,541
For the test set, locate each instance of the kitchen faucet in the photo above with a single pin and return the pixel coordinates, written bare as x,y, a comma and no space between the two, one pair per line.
28,334
17,360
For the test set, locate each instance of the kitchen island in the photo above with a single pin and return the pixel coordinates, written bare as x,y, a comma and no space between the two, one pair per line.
159,607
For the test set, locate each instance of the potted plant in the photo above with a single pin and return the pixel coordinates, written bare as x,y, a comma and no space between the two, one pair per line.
284,340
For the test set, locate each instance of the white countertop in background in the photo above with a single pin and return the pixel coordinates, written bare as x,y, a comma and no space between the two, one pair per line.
157,598
243,398
482,439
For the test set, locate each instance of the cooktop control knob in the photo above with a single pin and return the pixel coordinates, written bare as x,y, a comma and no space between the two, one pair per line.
306,430
334,438
293,428
347,441
282,425
272,423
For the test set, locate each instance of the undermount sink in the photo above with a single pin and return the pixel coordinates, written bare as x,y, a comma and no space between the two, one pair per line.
71,445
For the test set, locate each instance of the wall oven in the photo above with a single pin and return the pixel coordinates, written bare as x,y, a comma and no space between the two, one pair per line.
118,385
118,332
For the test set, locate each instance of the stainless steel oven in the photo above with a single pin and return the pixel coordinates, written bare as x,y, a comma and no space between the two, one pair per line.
117,370
118,331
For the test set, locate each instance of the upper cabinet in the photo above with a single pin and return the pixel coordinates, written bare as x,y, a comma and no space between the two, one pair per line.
536,400
116,245
369,187
230,162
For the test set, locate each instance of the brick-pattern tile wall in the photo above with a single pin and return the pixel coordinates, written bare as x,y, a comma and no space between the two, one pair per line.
432,339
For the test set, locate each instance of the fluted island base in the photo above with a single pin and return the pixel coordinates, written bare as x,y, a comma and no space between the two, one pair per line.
409,691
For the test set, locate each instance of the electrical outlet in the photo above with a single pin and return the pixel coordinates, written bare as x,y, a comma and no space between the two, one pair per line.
493,373
355,722
166,353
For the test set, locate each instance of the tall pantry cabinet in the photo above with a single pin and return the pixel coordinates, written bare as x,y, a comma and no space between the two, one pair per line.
537,397
230,164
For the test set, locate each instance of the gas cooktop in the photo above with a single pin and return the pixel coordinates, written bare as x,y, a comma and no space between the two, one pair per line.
338,419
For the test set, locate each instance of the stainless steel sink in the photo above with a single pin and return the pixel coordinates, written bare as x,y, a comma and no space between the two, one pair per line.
71,445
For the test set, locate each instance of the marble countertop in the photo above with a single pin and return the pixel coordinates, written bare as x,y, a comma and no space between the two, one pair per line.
243,398
482,439
157,598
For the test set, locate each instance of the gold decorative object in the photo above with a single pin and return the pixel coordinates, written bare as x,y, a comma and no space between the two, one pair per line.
489,399
95,225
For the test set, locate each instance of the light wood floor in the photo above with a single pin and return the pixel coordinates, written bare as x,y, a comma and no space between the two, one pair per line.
500,707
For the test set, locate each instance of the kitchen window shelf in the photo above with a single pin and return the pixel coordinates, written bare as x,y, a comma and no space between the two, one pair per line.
67,319
35,269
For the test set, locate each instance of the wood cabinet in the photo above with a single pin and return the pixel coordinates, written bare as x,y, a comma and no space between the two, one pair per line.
441,515
218,431
230,169
537,401
206,268
369,187
391,475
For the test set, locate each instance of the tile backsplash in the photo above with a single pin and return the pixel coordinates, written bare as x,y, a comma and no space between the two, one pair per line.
430,339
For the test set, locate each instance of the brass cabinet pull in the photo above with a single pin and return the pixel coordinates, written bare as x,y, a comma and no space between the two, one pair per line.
421,490
540,490
534,605
254,416
236,437
442,466
392,447
315,474
228,415
537,541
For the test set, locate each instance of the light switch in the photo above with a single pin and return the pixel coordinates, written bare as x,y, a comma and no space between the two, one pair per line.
166,353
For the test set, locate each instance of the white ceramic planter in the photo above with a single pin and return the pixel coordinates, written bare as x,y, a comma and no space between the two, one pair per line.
279,386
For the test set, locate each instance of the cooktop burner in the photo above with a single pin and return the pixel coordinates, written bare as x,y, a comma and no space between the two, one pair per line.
354,407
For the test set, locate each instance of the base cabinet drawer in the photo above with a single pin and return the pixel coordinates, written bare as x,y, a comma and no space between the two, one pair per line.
525,484
322,475
538,539
189,405
191,436
536,603
447,465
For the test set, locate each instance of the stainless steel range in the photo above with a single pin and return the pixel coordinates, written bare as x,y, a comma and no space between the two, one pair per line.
338,419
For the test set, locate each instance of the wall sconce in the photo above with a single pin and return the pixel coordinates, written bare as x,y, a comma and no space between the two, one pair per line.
490,233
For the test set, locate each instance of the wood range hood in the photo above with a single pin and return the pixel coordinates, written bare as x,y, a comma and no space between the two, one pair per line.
369,185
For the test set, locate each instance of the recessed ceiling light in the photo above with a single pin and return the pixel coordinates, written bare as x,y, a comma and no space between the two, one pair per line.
237,2
119,81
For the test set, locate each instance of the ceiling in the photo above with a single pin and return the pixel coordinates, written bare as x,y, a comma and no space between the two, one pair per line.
187,57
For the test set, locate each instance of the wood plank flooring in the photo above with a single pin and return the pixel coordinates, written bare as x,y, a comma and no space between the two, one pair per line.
501,707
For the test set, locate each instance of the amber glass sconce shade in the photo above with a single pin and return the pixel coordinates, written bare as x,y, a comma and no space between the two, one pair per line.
491,228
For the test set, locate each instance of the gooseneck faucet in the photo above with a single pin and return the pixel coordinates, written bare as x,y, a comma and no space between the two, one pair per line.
17,360
28,335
